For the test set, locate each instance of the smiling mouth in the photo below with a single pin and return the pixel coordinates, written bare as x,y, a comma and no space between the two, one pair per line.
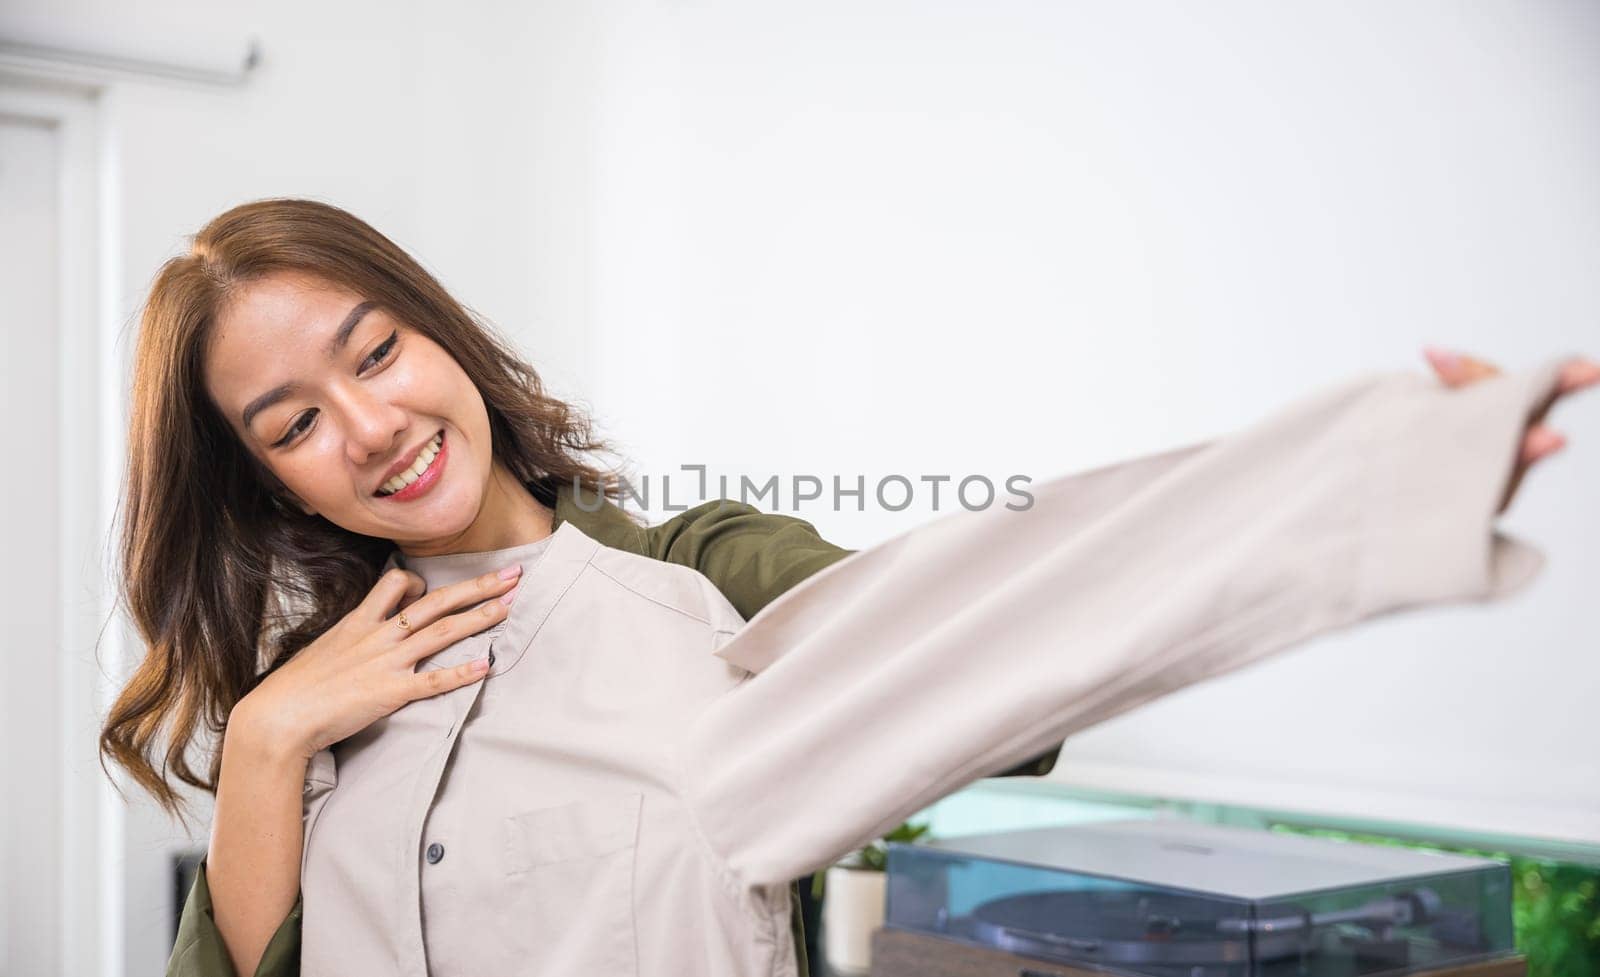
424,458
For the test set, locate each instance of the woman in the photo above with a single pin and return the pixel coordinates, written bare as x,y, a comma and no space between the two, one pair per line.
1306,529
207,512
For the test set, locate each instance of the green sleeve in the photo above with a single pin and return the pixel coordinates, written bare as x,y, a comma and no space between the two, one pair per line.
749,555
199,952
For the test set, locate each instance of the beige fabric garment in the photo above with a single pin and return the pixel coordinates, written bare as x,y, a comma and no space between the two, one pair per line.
635,783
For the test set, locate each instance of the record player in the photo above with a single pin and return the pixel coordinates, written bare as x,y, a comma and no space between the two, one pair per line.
1179,899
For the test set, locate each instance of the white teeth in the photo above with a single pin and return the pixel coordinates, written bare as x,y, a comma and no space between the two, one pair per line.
424,459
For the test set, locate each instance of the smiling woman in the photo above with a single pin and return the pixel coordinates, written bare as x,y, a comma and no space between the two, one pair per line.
314,419
289,368
308,401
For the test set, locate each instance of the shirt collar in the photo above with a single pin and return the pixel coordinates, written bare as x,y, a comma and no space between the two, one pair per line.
549,567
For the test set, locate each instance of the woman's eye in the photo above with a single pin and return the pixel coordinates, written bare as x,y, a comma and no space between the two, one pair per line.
382,352
295,429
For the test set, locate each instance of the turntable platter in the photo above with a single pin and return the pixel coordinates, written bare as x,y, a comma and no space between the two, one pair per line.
1125,928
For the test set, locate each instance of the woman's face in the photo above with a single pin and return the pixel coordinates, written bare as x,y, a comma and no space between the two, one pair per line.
334,396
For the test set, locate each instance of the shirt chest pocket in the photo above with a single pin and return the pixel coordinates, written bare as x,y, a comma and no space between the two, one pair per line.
569,875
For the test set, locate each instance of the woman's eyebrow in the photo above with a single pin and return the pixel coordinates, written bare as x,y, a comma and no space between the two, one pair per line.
348,326
341,337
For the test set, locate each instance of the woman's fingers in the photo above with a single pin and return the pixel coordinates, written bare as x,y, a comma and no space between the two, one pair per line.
449,629
1457,369
1577,374
1538,440
1541,441
394,589
435,605
433,681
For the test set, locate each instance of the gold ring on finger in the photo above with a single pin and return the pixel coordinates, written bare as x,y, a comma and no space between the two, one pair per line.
404,624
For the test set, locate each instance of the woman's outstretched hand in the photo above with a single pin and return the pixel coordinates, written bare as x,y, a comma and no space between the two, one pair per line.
1539,440
364,667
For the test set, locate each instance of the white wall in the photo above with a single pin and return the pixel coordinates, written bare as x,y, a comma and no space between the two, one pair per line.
880,237
957,238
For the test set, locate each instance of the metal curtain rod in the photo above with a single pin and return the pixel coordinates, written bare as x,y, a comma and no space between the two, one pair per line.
50,60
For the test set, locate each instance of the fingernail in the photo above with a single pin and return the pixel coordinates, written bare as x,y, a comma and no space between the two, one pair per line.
510,595
480,665
1444,358
510,571
1546,440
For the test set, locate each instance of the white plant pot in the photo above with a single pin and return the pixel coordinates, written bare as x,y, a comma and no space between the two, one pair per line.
852,909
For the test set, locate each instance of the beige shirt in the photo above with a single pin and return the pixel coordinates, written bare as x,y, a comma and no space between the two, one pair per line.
636,781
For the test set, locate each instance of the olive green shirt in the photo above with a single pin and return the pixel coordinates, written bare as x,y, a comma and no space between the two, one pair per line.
750,556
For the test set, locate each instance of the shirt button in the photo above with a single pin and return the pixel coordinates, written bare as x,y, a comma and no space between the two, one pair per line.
435,852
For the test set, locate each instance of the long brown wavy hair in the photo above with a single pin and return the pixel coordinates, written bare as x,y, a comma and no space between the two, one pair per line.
223,575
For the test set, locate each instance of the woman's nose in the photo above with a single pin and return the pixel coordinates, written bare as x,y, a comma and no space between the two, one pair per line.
372,425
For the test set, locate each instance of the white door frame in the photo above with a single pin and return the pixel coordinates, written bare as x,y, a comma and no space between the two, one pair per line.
91,409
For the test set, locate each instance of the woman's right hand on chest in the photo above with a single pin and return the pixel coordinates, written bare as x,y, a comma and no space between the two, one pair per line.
363,668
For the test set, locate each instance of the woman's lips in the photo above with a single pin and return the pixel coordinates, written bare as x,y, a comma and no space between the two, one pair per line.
429,475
